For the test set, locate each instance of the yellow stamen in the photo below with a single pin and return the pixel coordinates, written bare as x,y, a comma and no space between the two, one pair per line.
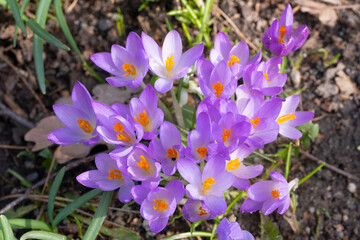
233,164
85,125
255,122
275,193
122,135
266,77
130,69
282,31
218,87
226,134
202,151
202,211
286,117
142,119
143,164
233,60
160,205
207,184
115,174
169,62
172,153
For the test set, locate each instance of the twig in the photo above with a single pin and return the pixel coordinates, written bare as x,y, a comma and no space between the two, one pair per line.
12,147
4,111
335,169
48,176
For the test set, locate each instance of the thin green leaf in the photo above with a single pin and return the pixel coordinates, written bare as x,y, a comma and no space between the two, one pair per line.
14,6
41,235
22,9
187,235
237,198
6,228
177,12
22,180
283,65
312,173
120,23
53,191
75,205
22,223
204,23
99,216
192,14
187,34
264,156
288,161
168,25
37,29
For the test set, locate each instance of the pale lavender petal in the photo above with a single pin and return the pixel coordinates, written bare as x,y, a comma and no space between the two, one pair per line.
104,61
104,163
290,104
189,57
69,116
241,184
148,98
82,100
247,235
133,43
89,178
120,56
121,109
215,56
284,206
177,189
217,205
64,136
108,185
250,206
301,118
287,19
248,172
147,211
241,51
163,85
189,171
276,176
290,132
118,81
261,191
204,69
255,59
159,224
103,112
152,49
270,205
140,192
172,46
169,135
125,195
300,35
222,44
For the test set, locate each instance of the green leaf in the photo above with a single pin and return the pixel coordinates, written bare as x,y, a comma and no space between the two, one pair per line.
288,161
21,211
311,173
23,223
41,235
6,228
53,191
188,113
75,205
187,235
99,216
37,29
195,225
14,6
22,180
22,9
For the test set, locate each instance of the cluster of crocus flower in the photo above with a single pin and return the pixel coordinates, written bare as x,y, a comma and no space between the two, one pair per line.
226,131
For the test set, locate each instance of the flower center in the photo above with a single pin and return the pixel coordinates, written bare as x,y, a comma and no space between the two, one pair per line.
226,134
160,205
169,62
114,173
266,77
219,88
202,211
286,117
233,60
275,193
172,153
130,69
255,122
282,31
85,125
142,119
202,151
122,135
233,164
207,184
143,164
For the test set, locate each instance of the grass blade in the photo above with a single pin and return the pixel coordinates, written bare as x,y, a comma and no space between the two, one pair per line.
99,216
6,228
288,161
53,191
188,235
22,180
204,23
75,205
22,10
14,6
37,29
310,174
22,223
41,235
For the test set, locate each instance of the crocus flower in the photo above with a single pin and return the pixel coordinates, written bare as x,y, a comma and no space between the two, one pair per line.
268,196
288,119
280,39
141,191
110,175
215,81
236,57
232,231
195,210
144,111
239,170
161,203
169,149
79,119
209,185
129,65
169,63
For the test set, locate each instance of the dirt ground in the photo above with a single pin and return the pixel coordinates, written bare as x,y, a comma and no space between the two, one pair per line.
328,204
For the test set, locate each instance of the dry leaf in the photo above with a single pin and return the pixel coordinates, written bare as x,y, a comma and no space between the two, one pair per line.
65,153
109,95
346,86
39,133
326,14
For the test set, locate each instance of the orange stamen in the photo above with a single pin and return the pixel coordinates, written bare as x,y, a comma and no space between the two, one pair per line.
233,60
266,77
130,69
282,31
169,62
142,119
219,88
202,151
143,164
85,125
207,184
233,164
286,117
275,193
115,174
226,134
172,153
255,122
122,135
202,211
160,205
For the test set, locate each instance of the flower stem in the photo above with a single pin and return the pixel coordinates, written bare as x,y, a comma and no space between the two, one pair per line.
188,234
310,174
264,156
178,111
288,161
240,195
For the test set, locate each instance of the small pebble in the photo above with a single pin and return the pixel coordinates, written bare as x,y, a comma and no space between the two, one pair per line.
312,209
345,218
352,187
32,176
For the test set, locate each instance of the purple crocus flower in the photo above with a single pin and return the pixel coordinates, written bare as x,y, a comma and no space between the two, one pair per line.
215,81
169,149
79,118
110,175
161,203
266,77
144,111
216,108
241,172
195,210
280,39
208,186
232,231
288,119
129,65
268,196
237,57
169,63
140,192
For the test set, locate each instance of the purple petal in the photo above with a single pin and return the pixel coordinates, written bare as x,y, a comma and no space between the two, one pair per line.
241,184
69,116
163,85
148,98
177,189
118,81
300,35
241,51
125,195
248,172
169,135
204,69
90,178
103,112
247,235
284,206
301,118
270,205
120,56
217,205
104,163
172,46
133,43
189,57
290,132
108,185
250,206
152,49
104,61
140,192
189,171
261,191
64,136
82,100
222,45
159,224
287,19
277,177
